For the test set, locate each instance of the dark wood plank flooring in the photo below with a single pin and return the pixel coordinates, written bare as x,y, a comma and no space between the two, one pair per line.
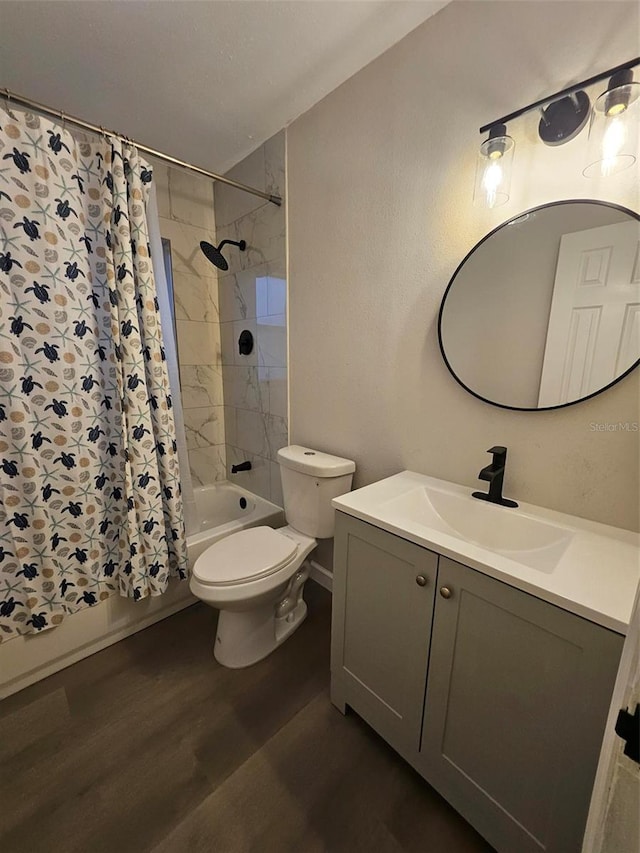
150,745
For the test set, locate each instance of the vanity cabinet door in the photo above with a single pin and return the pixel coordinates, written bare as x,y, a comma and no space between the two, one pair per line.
516,704
383,591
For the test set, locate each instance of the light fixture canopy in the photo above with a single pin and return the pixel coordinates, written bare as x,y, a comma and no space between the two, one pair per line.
562,120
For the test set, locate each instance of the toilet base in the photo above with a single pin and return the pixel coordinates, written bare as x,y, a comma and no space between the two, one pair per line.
246,637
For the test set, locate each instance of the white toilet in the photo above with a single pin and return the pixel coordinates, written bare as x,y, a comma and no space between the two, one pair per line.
256,577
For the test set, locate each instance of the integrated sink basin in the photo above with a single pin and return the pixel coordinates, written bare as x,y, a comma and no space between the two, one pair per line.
516,535
588,568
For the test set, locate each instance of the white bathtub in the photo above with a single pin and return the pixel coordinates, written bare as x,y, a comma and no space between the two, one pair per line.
224,508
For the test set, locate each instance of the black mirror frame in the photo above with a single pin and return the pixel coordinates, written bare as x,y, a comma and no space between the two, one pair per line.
619,207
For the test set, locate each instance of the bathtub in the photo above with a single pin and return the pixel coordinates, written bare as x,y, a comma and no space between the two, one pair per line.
224,508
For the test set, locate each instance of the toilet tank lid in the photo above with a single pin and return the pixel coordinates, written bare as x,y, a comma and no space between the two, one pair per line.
314,463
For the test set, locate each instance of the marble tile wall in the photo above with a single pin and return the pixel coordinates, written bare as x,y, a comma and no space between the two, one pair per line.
253,296
186,209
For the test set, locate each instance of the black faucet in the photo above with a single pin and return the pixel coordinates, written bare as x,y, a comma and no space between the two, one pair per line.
494,473
243,466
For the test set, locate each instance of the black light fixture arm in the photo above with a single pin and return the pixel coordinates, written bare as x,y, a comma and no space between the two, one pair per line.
632,63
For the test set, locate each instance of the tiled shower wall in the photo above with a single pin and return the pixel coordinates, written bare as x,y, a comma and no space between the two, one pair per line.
186,209
252,295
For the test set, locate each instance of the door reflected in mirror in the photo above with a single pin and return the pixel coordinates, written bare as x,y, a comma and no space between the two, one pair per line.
545,310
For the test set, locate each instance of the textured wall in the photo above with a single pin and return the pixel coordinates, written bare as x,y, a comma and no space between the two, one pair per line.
185,206
380,183
252,296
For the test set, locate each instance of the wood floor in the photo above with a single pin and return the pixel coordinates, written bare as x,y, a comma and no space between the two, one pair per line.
150,745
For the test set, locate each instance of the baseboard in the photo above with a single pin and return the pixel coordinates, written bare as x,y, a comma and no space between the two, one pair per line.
102,641
321,575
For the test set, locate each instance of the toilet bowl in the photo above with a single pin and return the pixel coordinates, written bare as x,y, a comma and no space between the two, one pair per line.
256,577
246,576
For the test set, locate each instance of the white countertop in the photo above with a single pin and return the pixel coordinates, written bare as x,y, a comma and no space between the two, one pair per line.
596,577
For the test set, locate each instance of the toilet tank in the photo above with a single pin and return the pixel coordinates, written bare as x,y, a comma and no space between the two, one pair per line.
310,479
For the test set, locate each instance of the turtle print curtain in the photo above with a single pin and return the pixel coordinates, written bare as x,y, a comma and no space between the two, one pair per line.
90,499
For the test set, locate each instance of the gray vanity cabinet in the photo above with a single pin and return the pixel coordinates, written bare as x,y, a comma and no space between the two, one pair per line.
517,697
383,592
497,698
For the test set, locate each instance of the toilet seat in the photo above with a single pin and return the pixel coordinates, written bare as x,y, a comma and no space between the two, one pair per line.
245,556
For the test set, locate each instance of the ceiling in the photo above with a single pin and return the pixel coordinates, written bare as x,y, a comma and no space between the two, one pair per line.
206,82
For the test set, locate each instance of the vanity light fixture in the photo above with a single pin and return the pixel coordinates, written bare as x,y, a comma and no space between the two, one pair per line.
613,131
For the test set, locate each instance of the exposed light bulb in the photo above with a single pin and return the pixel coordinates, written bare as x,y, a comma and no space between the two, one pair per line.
613,142
491,181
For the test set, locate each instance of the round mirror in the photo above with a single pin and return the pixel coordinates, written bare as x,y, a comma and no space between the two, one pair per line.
545,310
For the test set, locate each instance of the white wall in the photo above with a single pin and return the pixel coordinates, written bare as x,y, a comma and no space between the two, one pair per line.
380,183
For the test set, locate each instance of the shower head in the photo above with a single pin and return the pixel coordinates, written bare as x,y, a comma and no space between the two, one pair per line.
214,254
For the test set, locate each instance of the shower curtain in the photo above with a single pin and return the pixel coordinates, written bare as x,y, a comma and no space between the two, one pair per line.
90,498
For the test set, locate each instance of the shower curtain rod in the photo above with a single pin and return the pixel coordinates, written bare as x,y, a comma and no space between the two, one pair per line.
20,100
